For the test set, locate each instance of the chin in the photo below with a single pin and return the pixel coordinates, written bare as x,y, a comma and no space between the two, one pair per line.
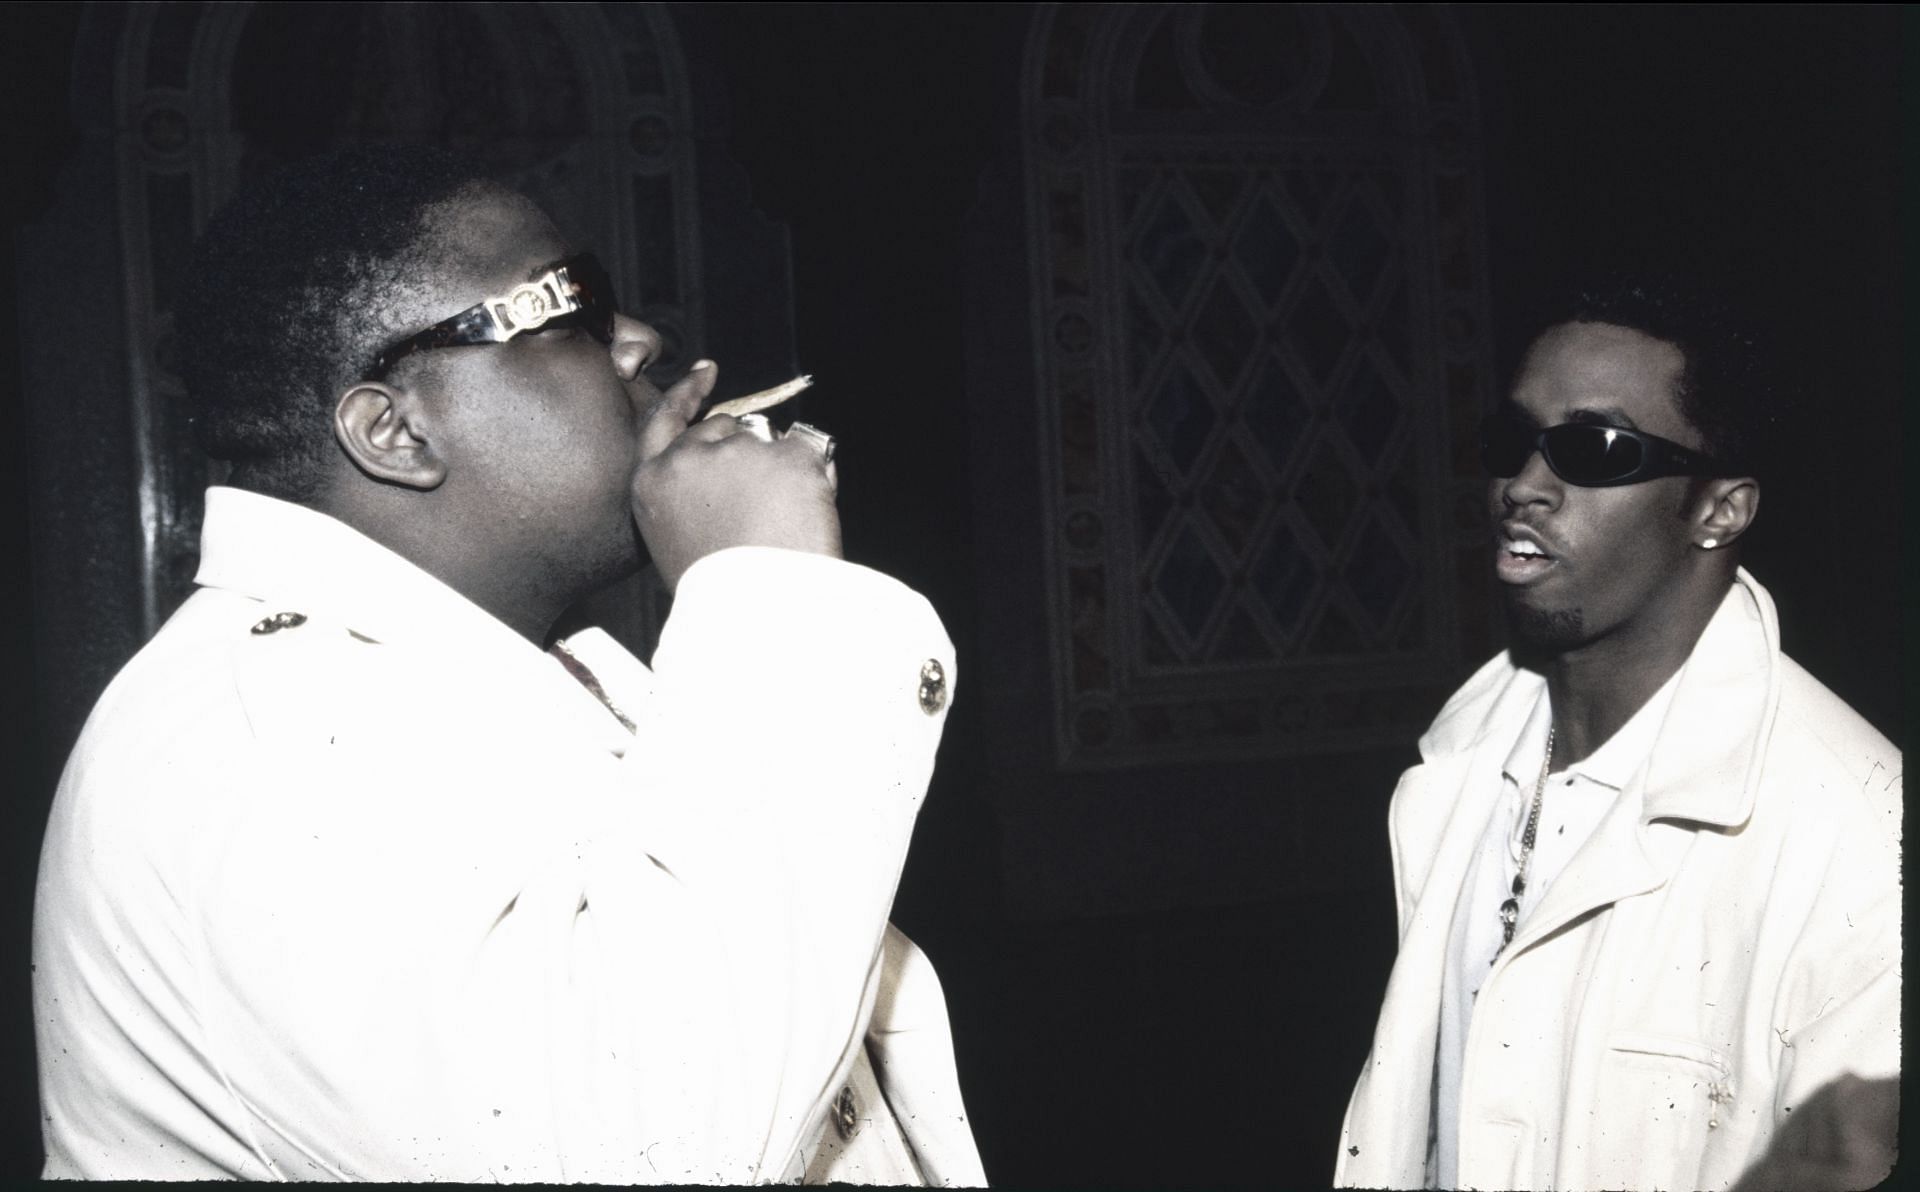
1538,631
617,568
576,569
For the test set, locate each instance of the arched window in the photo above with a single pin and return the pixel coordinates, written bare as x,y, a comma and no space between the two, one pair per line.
1258,304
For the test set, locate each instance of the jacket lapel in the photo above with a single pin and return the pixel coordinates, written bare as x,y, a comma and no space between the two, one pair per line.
1616,862
1694,773
1728,697
1441,810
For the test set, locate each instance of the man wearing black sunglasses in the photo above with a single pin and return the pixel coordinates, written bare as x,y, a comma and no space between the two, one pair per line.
1648,868
354,873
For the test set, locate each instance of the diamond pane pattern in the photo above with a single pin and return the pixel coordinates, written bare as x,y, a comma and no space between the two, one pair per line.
1224,334
1190,582
1276,415
1266,350
1285,579
1360,250
1256,434
1233,498
1369,414
1152,502
1267,249
1320,333
1171,250
1181,416
1378,575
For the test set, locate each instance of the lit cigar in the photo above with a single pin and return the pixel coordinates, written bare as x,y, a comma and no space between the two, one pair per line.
766,399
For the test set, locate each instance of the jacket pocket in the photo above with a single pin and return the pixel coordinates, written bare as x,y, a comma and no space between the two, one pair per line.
1659,1099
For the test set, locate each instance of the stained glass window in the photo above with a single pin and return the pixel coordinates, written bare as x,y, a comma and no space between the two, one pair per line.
1260,281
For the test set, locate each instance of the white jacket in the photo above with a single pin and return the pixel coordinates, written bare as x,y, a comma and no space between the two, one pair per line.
1725,946
377,890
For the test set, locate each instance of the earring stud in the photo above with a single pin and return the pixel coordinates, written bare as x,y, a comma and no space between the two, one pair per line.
1709,543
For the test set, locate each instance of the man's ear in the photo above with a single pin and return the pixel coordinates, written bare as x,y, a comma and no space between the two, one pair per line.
1726,507
380,429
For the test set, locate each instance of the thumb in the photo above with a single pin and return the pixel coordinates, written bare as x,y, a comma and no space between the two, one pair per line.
675,409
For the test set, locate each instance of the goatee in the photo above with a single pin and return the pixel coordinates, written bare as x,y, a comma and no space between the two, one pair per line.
1543,632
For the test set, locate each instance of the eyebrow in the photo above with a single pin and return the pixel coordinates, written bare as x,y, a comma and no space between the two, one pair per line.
1612,416
1603,416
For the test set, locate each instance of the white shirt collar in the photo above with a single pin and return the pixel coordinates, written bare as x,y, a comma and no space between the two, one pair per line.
278,552
1613,764
295,559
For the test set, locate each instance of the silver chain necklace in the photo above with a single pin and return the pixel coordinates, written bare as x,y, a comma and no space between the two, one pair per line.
1510,909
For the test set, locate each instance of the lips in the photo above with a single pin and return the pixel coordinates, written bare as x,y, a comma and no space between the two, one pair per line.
1520,557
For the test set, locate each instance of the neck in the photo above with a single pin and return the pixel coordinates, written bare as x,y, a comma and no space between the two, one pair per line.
521,594
531,614
1597,687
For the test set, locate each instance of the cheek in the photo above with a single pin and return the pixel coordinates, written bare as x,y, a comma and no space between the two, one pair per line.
551,439
552,472
589,463
1627,548
589,434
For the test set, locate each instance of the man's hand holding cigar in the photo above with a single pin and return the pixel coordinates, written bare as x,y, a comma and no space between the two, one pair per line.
704,484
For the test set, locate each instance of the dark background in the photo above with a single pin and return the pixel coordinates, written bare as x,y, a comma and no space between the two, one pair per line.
1180,1033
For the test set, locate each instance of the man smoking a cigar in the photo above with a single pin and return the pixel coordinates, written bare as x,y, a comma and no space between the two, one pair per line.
350,876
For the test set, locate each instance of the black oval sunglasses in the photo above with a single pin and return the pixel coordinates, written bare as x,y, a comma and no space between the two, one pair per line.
1588,454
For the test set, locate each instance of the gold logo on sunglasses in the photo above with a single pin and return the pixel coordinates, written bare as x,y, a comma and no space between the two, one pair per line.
534,304
526,307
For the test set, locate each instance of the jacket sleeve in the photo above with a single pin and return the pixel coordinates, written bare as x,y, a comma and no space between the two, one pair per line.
1837,1111
799,702
448,950
911,1043
1836,1100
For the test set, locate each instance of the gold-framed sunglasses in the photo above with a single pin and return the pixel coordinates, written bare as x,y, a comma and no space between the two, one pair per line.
575,290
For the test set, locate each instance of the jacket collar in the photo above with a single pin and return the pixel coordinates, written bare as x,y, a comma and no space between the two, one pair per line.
1704,761
1613,765
281,553
1705,765
294,559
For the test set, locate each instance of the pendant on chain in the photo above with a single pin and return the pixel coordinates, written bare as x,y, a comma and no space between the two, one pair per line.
1510,909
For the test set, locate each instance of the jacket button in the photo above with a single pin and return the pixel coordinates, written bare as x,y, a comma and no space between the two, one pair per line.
279,621
846,1115
933,686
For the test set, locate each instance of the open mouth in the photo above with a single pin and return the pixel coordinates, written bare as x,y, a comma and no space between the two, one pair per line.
1519,559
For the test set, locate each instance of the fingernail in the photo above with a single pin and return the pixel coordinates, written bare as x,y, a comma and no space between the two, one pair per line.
700,364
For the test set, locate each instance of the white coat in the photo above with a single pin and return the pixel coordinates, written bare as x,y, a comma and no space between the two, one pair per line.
1725,946
345,879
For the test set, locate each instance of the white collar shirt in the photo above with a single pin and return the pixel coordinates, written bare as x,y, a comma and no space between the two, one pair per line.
1573,800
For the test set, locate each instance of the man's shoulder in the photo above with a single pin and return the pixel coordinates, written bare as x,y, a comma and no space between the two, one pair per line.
1810,709
1822,750
229,667
163,753
1494,701
182,675
1495,689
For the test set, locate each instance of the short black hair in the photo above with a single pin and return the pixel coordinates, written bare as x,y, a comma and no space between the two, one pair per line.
1730,387
280,310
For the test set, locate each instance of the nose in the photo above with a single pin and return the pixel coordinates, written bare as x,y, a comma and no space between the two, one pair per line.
635,345
1534,484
